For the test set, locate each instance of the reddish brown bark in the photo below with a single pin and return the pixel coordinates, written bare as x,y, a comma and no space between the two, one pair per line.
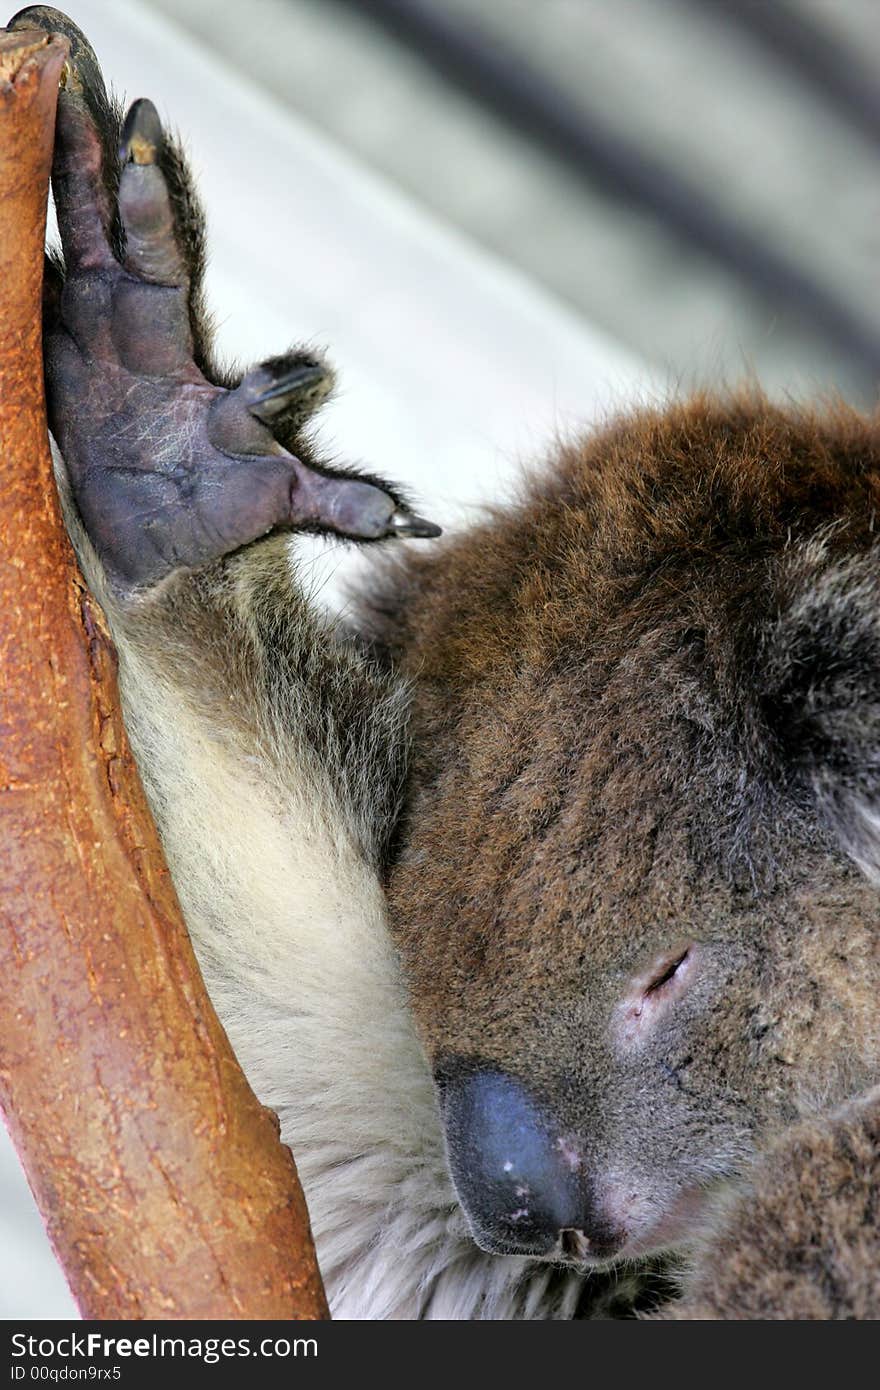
164,1188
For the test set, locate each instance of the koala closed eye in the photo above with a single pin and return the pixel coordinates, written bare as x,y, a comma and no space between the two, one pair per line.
667,973
653,991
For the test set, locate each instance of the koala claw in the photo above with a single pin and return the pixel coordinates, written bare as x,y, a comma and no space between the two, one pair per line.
82,74
286,389
142,135
403,522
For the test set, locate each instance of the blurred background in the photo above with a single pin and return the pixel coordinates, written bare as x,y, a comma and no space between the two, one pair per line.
506,219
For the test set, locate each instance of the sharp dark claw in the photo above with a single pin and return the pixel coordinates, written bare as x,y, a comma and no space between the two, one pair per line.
142,137
83,70
286,391
81,195
146,210
288,388
406,523
284,387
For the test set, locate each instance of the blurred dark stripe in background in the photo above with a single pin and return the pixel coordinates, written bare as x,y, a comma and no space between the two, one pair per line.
700,178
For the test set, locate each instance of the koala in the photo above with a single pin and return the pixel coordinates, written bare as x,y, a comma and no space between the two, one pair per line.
541,901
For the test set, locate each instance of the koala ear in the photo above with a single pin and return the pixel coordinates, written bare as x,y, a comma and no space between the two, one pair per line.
820,676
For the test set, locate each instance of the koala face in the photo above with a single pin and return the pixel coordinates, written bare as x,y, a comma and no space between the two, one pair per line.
624,895
611,1049
615,1148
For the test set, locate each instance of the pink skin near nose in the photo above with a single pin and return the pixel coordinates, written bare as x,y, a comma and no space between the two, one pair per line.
645,1224
649,1231
645,1229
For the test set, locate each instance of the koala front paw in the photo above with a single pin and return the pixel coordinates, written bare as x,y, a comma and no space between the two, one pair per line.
167,468
804,1241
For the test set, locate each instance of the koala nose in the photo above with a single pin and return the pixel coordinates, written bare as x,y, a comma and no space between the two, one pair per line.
510,1171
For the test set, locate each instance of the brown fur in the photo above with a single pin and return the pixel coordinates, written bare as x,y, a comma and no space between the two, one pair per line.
599,778
805,1242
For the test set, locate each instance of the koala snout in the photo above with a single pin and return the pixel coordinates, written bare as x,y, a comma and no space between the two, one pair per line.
519,1182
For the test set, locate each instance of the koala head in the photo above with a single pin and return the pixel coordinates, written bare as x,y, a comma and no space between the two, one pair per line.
633,891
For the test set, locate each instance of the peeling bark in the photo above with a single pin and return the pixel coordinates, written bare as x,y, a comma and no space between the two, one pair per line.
164,1187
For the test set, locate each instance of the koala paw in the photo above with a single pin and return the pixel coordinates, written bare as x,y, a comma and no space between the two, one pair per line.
167,468
804,1241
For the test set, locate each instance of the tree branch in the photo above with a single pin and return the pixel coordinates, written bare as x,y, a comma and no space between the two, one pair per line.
162,1182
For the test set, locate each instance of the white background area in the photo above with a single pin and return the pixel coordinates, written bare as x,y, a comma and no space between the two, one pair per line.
454,369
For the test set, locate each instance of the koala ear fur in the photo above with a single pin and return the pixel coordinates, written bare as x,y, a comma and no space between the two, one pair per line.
820,676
